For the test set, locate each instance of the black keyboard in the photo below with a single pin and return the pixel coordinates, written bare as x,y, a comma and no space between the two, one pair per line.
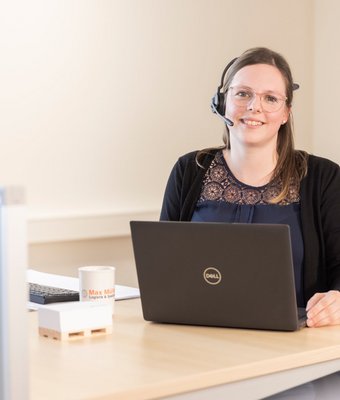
42,294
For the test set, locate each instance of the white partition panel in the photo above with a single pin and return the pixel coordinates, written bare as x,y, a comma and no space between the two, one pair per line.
13,296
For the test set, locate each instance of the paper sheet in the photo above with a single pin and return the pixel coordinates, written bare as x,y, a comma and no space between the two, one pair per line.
67,282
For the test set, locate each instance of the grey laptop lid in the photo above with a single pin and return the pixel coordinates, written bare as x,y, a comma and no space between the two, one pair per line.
216,274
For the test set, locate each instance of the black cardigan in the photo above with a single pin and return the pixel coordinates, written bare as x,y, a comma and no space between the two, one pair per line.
320,214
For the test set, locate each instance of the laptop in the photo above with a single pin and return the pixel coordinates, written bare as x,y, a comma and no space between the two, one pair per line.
216,274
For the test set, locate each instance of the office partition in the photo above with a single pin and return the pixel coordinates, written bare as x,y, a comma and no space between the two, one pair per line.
13,296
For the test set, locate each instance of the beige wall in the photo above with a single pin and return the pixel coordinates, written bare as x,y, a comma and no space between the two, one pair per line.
326,83
100,97
65,257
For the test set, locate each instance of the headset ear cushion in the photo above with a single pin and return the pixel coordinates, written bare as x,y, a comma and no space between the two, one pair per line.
220,103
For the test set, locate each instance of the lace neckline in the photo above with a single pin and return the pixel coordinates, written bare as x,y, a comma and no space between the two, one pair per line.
219,184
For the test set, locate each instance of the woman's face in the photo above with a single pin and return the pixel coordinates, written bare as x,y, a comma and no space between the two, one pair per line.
255,124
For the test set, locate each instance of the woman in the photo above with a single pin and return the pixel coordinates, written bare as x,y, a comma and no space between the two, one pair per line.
258,177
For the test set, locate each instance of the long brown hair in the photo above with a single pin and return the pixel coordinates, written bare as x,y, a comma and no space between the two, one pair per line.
291,165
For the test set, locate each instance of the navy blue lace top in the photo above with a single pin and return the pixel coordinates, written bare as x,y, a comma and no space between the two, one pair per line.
225,199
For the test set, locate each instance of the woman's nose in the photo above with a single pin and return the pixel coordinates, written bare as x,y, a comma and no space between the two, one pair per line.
255,104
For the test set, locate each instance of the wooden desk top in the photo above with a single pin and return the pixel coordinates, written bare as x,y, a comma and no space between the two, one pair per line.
143,360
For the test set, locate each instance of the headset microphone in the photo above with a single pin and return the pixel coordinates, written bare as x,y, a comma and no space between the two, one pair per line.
226,120
215,111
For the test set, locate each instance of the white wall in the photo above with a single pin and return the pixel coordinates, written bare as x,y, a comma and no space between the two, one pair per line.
65,257
100,97
327,83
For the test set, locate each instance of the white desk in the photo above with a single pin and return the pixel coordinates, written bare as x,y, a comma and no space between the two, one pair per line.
142,360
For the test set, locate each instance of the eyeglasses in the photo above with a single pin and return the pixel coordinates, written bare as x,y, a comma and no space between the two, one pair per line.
243,96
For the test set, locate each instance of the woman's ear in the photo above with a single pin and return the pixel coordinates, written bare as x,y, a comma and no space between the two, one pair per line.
286,115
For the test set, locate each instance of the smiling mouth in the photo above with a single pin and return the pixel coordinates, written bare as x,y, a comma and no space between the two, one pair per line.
251,122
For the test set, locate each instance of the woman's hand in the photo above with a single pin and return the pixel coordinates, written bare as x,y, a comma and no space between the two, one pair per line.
324,309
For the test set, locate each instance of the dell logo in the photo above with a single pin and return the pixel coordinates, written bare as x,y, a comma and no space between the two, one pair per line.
212,276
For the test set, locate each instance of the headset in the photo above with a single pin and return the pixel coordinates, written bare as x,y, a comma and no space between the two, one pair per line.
218,101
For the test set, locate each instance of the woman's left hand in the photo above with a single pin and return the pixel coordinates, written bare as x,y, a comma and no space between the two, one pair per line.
324,309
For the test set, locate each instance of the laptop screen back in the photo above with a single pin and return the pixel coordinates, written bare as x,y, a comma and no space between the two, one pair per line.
216,274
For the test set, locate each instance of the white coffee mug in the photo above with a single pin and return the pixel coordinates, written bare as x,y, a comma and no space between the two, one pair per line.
97,283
